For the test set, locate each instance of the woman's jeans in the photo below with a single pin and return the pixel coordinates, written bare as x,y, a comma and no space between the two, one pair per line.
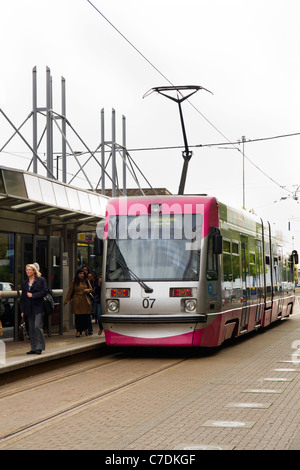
36,334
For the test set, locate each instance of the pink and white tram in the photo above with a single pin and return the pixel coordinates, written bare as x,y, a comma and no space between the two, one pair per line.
190,271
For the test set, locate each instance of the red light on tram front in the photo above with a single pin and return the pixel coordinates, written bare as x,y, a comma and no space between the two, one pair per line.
180,292
119,292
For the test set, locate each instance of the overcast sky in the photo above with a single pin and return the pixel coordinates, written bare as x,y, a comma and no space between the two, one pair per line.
246,52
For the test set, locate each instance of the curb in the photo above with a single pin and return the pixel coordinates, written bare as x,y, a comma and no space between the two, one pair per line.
50,354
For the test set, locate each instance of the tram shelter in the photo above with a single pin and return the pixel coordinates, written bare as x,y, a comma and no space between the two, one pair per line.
51,223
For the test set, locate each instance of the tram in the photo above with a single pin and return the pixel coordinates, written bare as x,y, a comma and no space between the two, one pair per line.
188,270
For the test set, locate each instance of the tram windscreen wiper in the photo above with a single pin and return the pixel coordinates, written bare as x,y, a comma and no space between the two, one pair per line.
146,288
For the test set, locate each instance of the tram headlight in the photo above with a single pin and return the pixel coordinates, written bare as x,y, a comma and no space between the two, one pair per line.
190,305
113,305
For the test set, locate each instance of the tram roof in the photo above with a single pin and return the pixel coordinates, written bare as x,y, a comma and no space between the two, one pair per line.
37,195
229,214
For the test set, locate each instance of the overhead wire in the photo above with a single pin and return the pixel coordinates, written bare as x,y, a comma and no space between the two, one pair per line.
129,42
195,108
218,144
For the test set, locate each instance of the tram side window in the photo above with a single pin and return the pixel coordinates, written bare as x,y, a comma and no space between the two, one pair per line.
227,270
284,274
236,270
226,246
259,268
235,248
212,266
275,274
279,271
268,275
232,270
287,274
252,274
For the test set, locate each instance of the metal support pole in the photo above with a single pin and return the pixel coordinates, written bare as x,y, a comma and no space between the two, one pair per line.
102,153
34,119
49,124
61,322
243,141
16,300
124,154
49,272
187,154
63,126
113,150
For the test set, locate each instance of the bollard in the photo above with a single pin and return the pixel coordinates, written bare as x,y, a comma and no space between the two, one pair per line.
2,352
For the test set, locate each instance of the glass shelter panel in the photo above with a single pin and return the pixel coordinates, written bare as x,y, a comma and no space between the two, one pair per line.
33,187
14,182
7,257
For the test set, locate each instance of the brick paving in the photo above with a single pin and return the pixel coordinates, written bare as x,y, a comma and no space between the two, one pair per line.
192,404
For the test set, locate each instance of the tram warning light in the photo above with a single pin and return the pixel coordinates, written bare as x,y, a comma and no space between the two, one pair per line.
180,292
119,292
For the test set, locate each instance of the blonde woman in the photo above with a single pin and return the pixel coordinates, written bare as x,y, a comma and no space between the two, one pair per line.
34,289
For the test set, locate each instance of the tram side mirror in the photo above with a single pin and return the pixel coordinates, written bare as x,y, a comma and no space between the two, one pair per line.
217,241
218,244
295,256
98,246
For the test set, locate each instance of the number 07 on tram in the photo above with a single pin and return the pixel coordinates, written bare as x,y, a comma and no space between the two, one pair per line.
190,271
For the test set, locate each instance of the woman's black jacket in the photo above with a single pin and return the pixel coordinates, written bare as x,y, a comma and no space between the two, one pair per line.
38,290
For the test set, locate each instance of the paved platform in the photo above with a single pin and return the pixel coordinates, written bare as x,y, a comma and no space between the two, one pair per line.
13,353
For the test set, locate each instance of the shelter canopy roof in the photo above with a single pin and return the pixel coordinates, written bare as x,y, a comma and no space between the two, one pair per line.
31,193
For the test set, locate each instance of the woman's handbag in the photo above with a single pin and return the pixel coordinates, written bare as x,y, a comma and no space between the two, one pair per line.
48,303
88,298
23,335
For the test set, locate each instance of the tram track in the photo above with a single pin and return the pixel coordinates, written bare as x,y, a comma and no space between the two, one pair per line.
144,398
54,379
74,408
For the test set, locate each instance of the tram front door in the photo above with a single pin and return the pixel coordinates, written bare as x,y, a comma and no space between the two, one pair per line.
245,282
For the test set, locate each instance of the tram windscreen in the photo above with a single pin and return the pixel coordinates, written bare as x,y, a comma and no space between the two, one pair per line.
160,247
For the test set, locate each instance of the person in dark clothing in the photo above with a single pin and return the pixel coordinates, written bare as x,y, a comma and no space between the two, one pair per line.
77,294
34,289
88,277
98,304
